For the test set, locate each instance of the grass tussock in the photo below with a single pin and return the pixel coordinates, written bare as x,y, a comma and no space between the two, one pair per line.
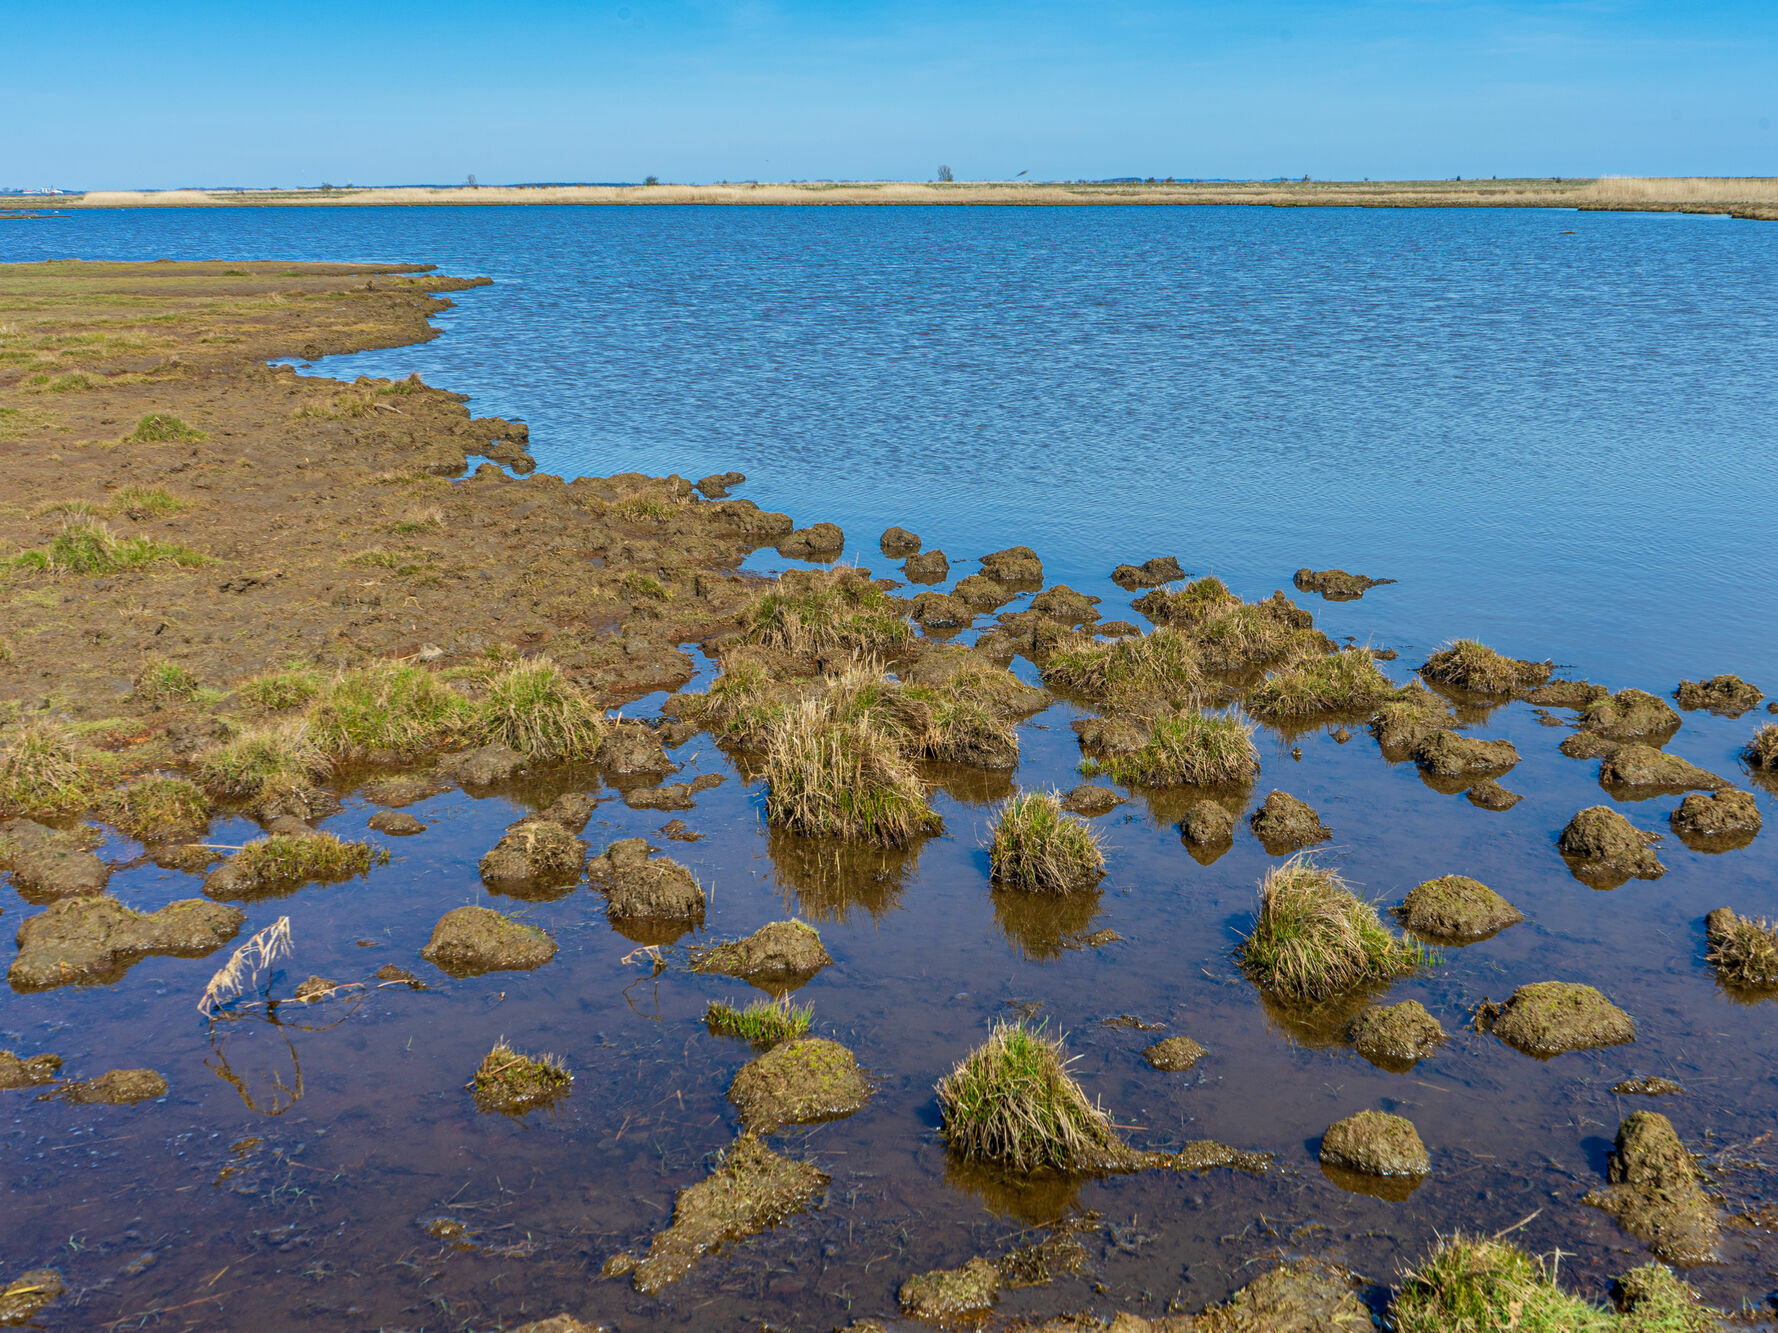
294,686
1184,748
262,762
1012,1102
87,546
1239,635
743,704
1469,665
763,1022
285,860
954,725
826,611
1314,939
160,682
157,809
1473,1285
1038,848
846,776
143,502
533,708
1163,664
1742,949
163,428
1187,605
510,1082
1762,750
1342,682
388,708
639,584
45,771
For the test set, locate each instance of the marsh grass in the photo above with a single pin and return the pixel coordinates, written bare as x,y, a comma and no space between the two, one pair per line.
1762,750
954,726
1012,1102
1185,748
512,1083
1744,951
143,502
387,709
824,611
639,584
293,686
160,681
844,775
1342,682
1467,664
87,546
1163,663
157,809
1038,848
262,762
533,708
1474,1285
430,518
763,1022
1314,939
1187,605
44,770
163,428
742,704
286,861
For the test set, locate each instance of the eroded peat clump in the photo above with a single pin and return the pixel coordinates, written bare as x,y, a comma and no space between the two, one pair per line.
1314,939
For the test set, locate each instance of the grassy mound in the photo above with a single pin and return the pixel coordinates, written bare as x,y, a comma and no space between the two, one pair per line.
43,771
1742,949
161,681
1039,849
824,611
1183,748
831,767
1469,665
157,809
532,708
279,691
163,428
1189,604
387,709
742,704
512,1084
763,1022
1012,1102
1244,634
1313,938
1342,682
263,762
87,546
1163,664
286,861
1762,750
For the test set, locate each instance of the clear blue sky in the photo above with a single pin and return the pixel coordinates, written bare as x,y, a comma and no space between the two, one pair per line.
115,93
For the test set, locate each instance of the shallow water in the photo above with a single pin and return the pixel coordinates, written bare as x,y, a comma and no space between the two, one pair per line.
1561,443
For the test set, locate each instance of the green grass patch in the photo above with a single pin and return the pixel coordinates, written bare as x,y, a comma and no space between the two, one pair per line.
87,546
45,771
1467,664
1039,848
1183,748
644,509
1314,939
156,810
763,1022
1236,636
262,762
141,502
1342,682
390,708
285,861
845,776
533,708
638,584
294,686
160,682
823,611
72,382
1187,605
163,428
1012,1102
1163,663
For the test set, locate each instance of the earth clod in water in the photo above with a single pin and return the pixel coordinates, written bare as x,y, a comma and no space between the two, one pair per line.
1174,1054
1447,754
396,823
1638,770
1656,1192
1488,794
817,542
482,767
1207,824
751,1189
1375,1143
91,937
115,1087
1458,909
1743,950
17,1072
799,1082
1630,715
1397,1036
468,941
1302,1296
48,864
1283,824
1090,800
1065,606
1546,1018
1575,694
898,542
926,567
28,1293
512,1083
630,747
947,1293
534,853
1336,585
1604,849
779,956
1647,1086
1728,695
1719,821
1015,567
1152,573
641,888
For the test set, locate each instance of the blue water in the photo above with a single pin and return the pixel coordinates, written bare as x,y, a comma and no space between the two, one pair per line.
1554,428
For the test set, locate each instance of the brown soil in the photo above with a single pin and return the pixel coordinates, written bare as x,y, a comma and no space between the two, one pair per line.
403,789
800,1082
48,864
572,809
630,747
1284,824
1408,717
1208,829
1457,909
95,938
1587,745
779,956
1090,800
32,1073
1547,1018
1162,569
1445,754
1065,606
820,541
1630,715
1174,1054
115,1087
751,1189
1604,849
1656,1193
1374,1143
927,567
1644,770
481,767
1336,585
534,854
468,941
1396,1037
1719,821
396,823
562,1323
1728,695
639,889
898,542
671,795
1490,795
717,485
1576,694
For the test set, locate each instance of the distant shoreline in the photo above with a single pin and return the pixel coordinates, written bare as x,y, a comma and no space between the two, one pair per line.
1743,197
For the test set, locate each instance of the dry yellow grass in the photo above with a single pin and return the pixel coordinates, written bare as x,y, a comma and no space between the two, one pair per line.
1744,196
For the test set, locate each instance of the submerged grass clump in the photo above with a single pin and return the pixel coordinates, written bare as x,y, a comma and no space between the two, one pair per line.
87,546
388,708
295,686
1314,939
44,771
157,809
1473,1285
826,611
1185,748
287,860
262,762
845,776
512,1084
1346,681
533,708
763,1022
1012,1102
1469,665
1162,663
1762,750
1038,848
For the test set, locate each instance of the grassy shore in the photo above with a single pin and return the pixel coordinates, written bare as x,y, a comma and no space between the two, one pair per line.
1748,196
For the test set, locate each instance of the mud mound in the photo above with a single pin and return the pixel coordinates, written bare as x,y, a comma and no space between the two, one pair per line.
32,1073
717,485
1336,585
937,610
1373,1143
980,593
483,767
1065,606
949,1293
1605,849
1490,795
1728,695
1644,769
671,795
927,567
630,747
1207,824
898,542
1656,1193
822,541
1445,754
1015,567
115,1087
534,853
1476,668
1397,1036
1629,715
93,938
1174,1054
800,1082
396,823
1718,821
1284,824
780,954
1152,573
1087,799
47,864
469,941
1457,908
1408,717
1547,1018
638,886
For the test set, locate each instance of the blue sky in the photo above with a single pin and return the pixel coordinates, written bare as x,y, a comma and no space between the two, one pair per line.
106,93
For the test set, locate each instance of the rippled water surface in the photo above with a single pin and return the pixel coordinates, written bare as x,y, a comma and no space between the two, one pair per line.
1555,430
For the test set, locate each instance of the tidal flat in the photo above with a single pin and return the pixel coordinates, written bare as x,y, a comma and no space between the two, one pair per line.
593,929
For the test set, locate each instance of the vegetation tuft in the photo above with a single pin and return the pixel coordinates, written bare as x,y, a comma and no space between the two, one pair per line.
763,1022
1762,750
742,704
824,611
1189,604
295,686
1314,939
1468,665
1742,949
1162,664
263,762
512,1084
87,546
387,709
157,809
843,775
1184,748
533,708
160,681
140,502
44,771
1037,848
288,860
163,428
1346,681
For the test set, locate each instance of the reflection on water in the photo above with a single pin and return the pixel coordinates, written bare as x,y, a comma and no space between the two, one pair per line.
825,879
